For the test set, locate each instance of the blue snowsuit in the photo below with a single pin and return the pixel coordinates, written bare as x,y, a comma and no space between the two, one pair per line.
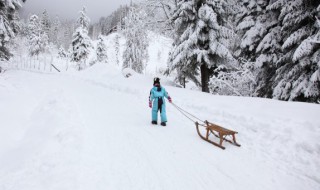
157,95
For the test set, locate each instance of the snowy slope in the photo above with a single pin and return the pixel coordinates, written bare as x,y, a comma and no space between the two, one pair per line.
158,51
91,130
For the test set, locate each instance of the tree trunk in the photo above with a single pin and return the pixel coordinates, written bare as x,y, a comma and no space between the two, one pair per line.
205,77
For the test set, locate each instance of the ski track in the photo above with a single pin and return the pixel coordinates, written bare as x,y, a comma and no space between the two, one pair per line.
84,133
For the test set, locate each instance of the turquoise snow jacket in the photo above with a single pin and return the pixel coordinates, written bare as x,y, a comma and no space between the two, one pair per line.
157,95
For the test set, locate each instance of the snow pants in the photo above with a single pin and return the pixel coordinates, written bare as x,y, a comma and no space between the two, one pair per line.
159,105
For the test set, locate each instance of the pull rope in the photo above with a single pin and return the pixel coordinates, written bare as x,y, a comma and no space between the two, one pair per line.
187,114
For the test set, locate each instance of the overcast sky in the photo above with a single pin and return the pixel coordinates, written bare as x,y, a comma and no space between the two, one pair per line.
70,8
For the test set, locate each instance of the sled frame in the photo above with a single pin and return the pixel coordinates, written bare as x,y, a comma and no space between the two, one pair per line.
219,132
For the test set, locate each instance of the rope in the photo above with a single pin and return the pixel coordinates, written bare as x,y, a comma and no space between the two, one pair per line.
185,113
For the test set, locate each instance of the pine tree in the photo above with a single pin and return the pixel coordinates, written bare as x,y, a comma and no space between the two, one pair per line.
62,53
101,50
259,42
56,26
298,69
8,25
81,45
37,38
117,48
136,53
83,21
66,33
45,22
201,41
81,42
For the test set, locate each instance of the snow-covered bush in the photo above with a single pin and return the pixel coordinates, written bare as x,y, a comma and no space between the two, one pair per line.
237,81
128,72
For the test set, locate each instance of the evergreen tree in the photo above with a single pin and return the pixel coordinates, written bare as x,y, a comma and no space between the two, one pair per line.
8,25
62,53
83,21
117,48
101,50
56,27
81,45
67,28
114,20
201,41
45,22
136,53
37,38
81,42
260,42
297,76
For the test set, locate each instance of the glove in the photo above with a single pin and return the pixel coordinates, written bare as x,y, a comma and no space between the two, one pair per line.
170,100
150,104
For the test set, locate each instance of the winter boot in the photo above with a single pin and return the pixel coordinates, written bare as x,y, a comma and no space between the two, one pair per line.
154,122
163,124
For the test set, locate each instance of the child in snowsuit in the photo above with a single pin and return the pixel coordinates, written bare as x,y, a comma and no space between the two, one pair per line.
157,95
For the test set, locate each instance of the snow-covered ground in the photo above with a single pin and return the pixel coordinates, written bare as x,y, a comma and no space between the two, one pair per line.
91,130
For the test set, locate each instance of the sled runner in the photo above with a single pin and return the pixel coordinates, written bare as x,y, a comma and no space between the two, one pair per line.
219,132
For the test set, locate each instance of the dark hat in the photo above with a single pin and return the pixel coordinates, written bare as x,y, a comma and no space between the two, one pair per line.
156,81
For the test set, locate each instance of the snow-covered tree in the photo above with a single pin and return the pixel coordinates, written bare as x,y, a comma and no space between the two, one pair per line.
8,25
259,41
298,71
115,21
159,14
55,28
65,34
62,53
37,38
45,22
81,43
117,48
136,53
83,21
101,50
201,41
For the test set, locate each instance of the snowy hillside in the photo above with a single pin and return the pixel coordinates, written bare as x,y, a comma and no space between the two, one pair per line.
158,51
91,130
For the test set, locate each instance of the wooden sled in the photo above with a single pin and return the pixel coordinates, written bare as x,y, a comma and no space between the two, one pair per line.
218,132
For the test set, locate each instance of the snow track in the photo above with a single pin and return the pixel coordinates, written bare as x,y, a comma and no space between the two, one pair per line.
92,130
